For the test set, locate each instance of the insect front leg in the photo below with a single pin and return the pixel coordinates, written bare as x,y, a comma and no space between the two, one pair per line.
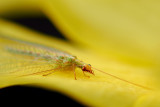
86,75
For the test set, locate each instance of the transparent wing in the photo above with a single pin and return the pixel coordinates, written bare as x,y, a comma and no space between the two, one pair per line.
13,43
15,58
18,66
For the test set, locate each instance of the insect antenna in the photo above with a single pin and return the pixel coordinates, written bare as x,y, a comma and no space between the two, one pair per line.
122,79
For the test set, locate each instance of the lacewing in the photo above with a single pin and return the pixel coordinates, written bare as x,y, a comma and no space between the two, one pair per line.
16,54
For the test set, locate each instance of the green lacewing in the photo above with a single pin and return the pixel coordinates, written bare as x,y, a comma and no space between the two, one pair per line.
17,54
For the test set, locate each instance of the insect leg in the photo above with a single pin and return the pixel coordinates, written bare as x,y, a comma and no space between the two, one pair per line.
86,75
50,70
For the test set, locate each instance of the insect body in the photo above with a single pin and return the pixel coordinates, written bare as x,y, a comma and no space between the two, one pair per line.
35,54
61,60
73,62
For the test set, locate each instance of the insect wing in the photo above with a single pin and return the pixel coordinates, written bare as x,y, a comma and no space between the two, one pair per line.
22,58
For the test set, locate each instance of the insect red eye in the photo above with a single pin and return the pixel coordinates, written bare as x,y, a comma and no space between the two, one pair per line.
84,69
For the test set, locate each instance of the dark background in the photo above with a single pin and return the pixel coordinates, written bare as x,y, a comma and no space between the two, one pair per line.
32,96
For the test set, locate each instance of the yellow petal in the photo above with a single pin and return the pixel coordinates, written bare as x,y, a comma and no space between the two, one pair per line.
99,90
123,30
14,8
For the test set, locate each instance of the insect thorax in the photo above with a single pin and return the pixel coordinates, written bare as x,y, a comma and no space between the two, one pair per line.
65,60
